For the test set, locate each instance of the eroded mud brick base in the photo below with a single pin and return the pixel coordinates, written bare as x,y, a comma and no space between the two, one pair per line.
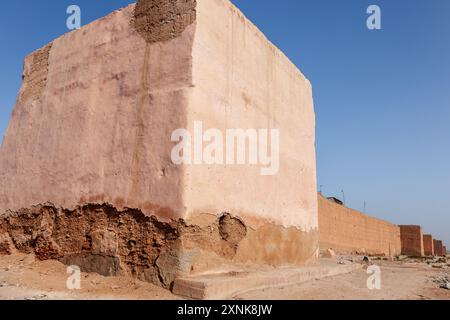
102,239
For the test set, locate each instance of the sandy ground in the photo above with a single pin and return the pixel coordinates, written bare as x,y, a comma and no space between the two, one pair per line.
24,278
399,281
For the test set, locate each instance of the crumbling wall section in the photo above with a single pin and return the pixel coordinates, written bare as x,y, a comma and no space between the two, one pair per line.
100,238
34,74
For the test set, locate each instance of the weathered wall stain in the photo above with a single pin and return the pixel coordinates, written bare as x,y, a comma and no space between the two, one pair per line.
35,73
162,20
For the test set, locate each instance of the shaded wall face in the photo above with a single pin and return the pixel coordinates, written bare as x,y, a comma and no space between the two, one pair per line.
428,245
412,240
438,248
94,118
346,230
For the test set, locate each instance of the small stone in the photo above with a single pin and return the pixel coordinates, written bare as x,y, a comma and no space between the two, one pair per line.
37,297
104,242
446,286
329,253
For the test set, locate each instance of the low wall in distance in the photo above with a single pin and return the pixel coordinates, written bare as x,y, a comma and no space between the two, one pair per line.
349,231
438,248
412,240
428,245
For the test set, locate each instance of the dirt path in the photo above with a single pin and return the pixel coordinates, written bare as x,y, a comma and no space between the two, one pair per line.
24,278
399,281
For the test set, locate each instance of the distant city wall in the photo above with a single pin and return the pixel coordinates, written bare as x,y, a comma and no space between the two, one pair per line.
428,245
347,231
438,248
412,240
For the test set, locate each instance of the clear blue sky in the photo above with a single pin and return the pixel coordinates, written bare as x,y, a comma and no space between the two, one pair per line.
382,97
